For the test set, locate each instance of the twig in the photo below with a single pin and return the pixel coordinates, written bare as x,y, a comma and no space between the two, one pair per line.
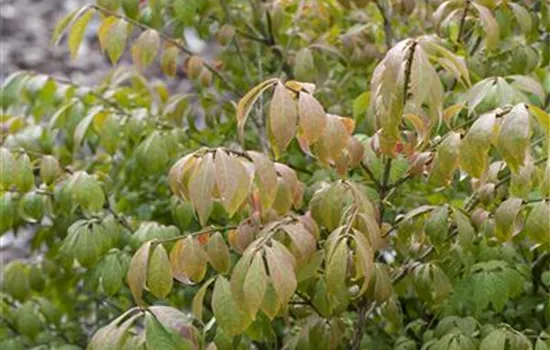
198,233
463,20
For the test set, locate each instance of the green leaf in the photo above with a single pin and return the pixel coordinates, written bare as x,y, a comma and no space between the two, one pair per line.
505,218
446,160
24,180
437,227
16,280
474,148
466,232
522,16
86,191
63,24
513,138
496,340
337,266
245,104
228,315
537,225
112,34
8,168
169,61
282,120
111,5
131,8
77,31
158,337
490,25
304,67
137,272
159,273
255,285
145,48
49,169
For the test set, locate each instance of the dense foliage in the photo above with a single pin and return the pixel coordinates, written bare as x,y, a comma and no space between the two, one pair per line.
342,175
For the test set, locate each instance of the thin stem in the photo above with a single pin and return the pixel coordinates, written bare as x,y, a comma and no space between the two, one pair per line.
172,41
198,233
463,20
384,189
371,174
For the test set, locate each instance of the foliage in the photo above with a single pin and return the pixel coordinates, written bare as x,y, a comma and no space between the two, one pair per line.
342,174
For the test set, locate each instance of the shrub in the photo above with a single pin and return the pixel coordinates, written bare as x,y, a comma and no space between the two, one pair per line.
341,175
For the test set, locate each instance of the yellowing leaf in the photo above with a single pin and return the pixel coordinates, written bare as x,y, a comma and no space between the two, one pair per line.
245,104
255,285
188,259
169,61
201,186
333,141
387,98
364,258
145,48
513,137
198,300
542,117
77,32
446,160
112,34
266,178
271,303
283,118
159,273
302,239
490,25
537,225
229,316
281,272
218,253
505,218
337,265
474,148
137,272
63,24
232,181
312,117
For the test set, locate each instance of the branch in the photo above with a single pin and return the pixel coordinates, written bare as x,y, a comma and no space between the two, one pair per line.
359,329
172,41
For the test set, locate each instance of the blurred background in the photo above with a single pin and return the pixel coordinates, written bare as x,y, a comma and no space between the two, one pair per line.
26,29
